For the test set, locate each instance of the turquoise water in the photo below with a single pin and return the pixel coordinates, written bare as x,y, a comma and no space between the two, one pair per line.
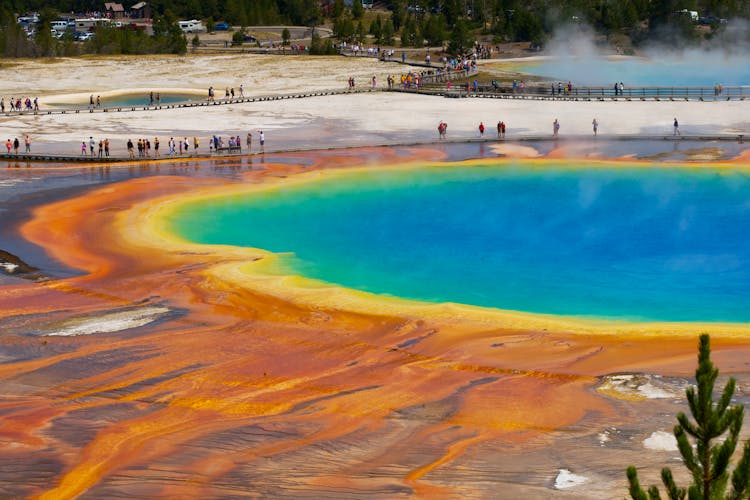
648,244
137,100
694,70
143,100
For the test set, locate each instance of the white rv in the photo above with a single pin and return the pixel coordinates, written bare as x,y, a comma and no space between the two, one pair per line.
91,23
192,26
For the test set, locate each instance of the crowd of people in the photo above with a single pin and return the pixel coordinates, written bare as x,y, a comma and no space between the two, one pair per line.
563,89
501,127
229,93
103,149
18,104
15,144
177,147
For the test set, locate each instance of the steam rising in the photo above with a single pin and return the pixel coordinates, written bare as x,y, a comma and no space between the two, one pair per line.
668,61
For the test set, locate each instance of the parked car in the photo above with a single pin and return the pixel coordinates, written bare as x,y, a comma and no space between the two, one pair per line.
85,36
249,38
221,27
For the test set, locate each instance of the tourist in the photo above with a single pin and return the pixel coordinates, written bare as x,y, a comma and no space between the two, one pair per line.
622,88
242,91
101,148
262,138
595,124
28,144
499,128
481,129
98,101
187,144
156,146
502,130
617,89
676,127
442,127
195,144
130,148
36,104
91,101
2,105
16,145
555,127
106,147
140,148
8,145
249,142
83,148
374,81
151,98
148,147
158,98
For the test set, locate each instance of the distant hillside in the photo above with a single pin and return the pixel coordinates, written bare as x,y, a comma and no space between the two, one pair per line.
455,24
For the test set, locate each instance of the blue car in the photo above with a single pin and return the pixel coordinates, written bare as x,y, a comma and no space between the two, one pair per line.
221,27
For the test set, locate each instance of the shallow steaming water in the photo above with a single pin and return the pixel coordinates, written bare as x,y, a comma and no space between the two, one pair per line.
696,69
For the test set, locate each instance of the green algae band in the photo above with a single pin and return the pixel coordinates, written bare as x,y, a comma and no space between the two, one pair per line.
666,244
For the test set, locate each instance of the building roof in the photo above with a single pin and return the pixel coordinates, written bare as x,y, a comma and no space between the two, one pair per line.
114,7
139,5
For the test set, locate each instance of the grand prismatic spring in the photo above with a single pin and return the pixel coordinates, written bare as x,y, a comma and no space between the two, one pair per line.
419,318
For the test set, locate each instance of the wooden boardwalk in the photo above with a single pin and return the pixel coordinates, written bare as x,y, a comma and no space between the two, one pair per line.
490,139
190,103
585,94
667,94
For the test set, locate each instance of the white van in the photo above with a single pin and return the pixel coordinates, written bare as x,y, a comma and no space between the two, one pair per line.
192,26
59,25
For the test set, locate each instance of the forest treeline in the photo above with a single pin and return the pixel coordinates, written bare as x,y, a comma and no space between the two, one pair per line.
414,23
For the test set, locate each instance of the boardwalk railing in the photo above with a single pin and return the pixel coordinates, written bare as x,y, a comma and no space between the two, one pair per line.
444,76
197,102
605,93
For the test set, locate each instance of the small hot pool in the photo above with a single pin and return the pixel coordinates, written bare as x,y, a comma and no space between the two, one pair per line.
135,100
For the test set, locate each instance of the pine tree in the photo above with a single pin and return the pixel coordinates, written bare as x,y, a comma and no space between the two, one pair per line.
357,9
709,463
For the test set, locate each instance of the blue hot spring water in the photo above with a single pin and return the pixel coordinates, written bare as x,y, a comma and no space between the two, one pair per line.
694,69
626,243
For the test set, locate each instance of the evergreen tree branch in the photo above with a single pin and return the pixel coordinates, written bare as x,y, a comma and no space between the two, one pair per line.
673,492
741,476
636,492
